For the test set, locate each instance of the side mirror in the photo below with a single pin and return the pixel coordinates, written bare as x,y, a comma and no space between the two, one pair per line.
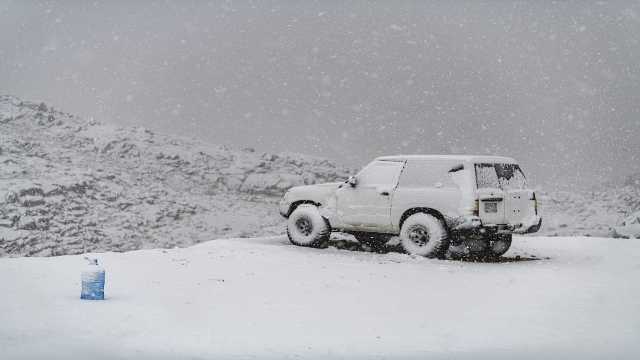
353,181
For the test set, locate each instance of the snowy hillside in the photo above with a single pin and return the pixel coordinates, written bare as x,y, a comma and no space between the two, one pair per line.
550,298
68,184
590,213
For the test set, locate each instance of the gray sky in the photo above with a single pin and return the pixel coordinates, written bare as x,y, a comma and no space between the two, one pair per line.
556,85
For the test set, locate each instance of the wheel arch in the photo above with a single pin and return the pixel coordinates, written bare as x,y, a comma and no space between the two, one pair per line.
295,204
425,210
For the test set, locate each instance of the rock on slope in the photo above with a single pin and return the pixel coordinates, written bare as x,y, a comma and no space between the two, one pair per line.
68,185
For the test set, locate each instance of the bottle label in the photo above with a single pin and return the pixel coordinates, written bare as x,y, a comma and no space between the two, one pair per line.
92,285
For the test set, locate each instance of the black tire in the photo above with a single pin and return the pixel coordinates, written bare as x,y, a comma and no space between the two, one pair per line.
498,245
468,248
373,240
306,227
425,235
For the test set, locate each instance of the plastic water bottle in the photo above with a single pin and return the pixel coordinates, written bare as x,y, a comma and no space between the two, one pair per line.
92,281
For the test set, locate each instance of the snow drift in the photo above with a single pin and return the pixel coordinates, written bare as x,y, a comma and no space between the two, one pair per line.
549,298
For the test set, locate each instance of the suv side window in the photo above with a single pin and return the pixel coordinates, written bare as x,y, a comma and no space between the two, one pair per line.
380,173
428,173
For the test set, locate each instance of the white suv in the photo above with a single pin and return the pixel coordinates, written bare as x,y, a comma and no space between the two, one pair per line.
468,205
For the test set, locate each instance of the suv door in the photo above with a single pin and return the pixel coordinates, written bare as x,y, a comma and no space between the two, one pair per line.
367,205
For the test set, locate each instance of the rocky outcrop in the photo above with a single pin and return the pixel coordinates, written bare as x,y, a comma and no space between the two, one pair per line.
589,213
68,185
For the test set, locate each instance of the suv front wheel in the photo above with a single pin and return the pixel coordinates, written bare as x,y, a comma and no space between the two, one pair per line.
425,235
306,227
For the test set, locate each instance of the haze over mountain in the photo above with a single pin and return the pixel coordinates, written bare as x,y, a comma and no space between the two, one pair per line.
555,85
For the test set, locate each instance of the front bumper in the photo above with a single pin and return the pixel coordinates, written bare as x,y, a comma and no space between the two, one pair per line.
283,208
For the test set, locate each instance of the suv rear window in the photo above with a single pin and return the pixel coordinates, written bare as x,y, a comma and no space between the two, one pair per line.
501,176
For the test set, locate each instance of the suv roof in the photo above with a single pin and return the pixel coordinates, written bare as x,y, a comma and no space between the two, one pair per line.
470,158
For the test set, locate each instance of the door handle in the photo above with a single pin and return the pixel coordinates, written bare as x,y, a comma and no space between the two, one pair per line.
384,193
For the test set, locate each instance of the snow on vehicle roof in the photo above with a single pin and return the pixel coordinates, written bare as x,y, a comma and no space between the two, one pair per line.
470,158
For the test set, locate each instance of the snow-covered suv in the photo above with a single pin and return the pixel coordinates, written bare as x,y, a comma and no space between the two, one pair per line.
468,205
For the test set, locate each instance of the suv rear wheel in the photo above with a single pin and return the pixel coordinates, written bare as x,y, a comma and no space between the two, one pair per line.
306,227
468,248
491,247
498,245
425,235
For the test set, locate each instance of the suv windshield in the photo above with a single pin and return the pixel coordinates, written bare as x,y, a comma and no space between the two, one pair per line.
501,176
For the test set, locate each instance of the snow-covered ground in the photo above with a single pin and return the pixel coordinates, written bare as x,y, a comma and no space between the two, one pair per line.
550,297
